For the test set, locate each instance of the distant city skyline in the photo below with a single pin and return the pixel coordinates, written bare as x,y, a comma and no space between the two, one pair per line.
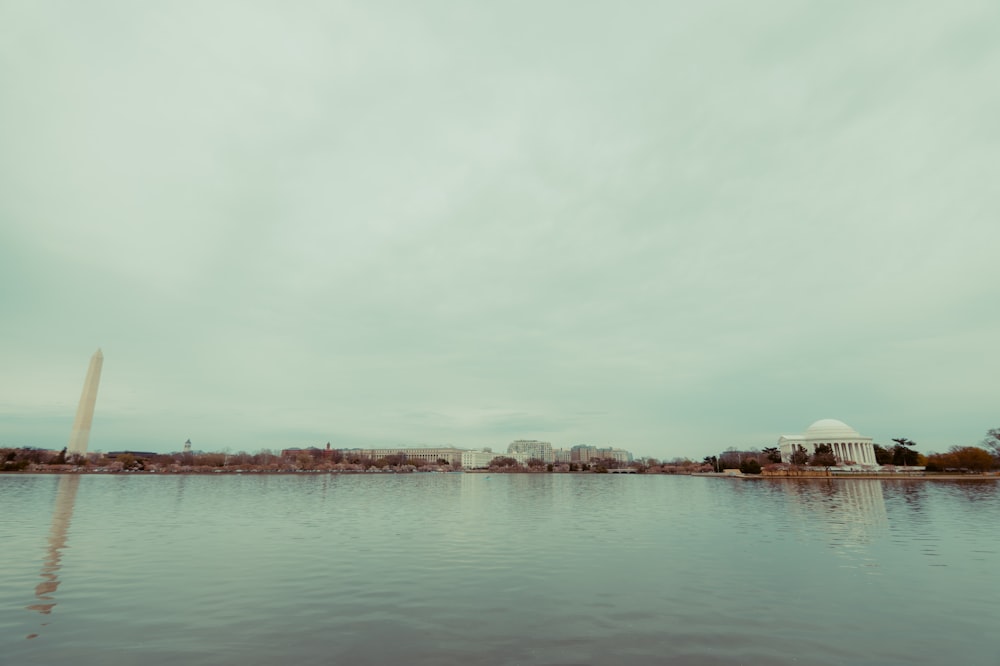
671,228
526,448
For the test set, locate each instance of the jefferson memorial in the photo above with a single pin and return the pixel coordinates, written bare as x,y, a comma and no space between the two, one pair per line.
848,446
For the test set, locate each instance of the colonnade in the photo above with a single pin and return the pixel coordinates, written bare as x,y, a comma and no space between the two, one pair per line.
861,453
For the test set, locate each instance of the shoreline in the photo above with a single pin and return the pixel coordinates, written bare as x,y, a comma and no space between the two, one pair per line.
897,476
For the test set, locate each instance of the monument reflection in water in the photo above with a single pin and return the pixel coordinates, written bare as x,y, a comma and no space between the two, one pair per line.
852,512
61,517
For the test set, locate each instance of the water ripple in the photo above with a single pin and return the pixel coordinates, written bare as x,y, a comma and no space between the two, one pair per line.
525,569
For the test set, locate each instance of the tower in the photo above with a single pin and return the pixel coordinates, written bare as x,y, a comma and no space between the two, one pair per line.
80,435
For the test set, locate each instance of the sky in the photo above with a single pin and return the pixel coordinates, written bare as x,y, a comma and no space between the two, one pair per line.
669,227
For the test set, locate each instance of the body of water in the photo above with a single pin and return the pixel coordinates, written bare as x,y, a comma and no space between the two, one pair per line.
496,569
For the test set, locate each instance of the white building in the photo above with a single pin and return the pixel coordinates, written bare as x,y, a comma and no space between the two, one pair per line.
847,444
482,459
532,448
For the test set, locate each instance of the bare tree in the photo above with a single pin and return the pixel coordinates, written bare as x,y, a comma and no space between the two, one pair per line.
992,444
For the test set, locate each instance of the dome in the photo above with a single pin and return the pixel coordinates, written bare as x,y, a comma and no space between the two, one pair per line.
830,429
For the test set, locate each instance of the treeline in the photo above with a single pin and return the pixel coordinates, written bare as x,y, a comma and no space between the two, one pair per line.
40,460
305,460
502,464
962,458
33,459
20,459
903,453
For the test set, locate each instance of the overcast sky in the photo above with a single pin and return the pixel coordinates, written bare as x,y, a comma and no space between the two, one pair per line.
671,227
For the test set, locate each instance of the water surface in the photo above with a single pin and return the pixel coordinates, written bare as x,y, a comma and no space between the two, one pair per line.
496,569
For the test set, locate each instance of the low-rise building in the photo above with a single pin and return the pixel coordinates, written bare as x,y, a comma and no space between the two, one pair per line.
450,455
482,459
532,448
618,455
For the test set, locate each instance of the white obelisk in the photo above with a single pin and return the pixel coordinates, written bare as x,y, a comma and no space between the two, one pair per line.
80,434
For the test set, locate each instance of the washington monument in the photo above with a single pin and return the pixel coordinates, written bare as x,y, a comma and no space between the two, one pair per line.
80,435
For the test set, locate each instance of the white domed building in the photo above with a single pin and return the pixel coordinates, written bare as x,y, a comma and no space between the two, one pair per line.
847,444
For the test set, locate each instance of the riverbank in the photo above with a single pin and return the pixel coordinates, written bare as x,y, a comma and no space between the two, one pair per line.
917,476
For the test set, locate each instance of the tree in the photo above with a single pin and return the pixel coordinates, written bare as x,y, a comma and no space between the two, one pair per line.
992,444
750,466
882,456
503,461
823,456
903,453
799,456
971,458
773,454
713,461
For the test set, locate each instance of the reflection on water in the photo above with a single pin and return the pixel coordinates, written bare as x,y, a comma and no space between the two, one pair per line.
487,569
852,513
65,499
852,508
